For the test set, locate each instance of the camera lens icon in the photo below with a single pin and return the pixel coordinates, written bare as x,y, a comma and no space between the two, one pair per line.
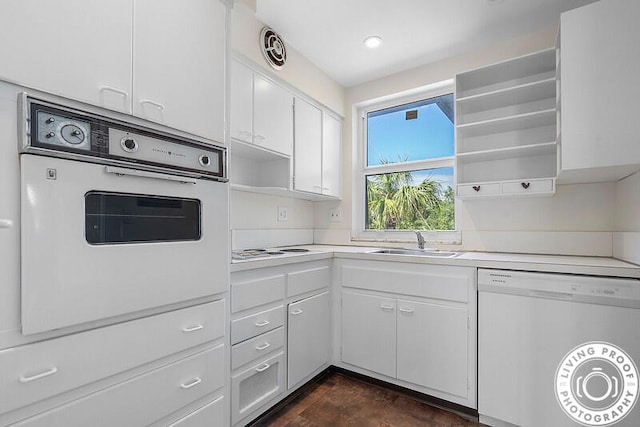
600,378
597,384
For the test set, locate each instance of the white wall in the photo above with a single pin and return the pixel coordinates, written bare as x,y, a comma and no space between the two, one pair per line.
254,216
578,219
626,240
298,71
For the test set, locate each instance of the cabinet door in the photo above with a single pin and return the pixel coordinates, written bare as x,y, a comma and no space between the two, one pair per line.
179,64
70,48
308,340
308,147
432,346
331,155
600,64
369,332
272,116
241,120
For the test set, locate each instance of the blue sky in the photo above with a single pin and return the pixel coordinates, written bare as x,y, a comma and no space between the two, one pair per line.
392,138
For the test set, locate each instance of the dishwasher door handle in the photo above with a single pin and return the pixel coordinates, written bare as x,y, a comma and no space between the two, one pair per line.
550,294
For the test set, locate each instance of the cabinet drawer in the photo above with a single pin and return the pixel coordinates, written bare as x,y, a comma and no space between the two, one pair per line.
300,282
257,292
256,347
256,324
256,386
37,371
428,281
478,189
530,186
212,414
142,399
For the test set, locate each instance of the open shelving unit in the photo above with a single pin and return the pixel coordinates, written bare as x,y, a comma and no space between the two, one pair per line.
506,132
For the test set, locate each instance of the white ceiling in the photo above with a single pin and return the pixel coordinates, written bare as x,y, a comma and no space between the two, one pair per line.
330,32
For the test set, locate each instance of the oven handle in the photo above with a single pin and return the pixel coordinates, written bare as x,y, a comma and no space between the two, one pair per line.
144,174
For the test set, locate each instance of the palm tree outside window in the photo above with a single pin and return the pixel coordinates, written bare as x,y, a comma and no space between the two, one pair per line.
409,168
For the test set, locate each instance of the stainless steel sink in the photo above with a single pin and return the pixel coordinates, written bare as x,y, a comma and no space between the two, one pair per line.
434,253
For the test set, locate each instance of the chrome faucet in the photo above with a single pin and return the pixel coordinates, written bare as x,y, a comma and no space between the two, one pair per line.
420,239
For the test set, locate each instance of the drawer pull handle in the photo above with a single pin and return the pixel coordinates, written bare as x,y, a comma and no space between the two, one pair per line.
38,376
262,323
194,382
386,307
476,187
263,367
296,312
193,328
525,185
263,346
406,310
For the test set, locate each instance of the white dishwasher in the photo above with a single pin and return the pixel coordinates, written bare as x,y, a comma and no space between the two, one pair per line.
557,349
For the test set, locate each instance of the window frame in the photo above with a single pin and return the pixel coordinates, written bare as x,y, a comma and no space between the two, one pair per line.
361,170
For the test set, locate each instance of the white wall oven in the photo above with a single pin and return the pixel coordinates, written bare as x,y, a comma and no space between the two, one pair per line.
116,218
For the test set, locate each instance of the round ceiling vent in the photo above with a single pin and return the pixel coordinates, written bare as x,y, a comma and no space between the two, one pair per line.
273,48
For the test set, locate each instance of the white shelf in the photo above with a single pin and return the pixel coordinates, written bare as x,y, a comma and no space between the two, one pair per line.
281,192
506,132
506,74
522,94
507,124
509,152
254,152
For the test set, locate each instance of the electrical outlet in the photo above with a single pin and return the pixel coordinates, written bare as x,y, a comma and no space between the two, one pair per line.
335,215
283,213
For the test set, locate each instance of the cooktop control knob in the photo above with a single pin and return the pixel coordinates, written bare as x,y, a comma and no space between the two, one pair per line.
205,160
129,144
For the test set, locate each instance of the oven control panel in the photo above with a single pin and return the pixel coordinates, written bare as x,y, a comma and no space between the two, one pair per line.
60,131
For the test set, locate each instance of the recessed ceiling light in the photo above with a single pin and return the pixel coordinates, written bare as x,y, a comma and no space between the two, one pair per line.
372,42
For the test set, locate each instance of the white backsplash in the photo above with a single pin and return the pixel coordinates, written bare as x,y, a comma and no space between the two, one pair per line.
264,238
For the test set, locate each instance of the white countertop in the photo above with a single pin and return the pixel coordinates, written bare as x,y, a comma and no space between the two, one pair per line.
598,266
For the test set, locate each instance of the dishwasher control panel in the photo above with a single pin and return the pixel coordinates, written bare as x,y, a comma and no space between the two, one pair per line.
563,286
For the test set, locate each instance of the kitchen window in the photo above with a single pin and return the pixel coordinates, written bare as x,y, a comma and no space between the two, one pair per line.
406,160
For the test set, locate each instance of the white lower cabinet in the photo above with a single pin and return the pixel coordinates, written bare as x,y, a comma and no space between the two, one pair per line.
369,332
308,337
269,345
212,414
142,399
432,337
411,324
40,370
255,385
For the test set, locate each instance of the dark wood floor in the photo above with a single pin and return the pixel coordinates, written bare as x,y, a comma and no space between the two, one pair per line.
337,400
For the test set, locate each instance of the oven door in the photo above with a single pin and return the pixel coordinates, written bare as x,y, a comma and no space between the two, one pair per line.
100,242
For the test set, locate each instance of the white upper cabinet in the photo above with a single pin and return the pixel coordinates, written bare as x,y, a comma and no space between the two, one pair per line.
599,69
272,116
166,65
282,143
317,150
70,48
308,147
331,155
241,120
179,64
261,111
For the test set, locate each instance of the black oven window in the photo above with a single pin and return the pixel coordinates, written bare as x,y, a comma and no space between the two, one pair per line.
135,218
